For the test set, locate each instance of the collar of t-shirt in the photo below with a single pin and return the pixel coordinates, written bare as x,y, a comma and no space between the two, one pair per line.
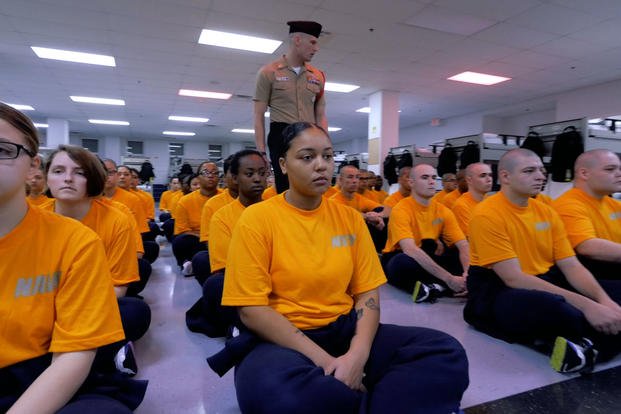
297,69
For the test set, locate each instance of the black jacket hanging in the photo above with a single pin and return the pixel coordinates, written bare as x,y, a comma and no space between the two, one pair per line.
567,147
146,172
447,160
405,160
390,169
534,143
469,155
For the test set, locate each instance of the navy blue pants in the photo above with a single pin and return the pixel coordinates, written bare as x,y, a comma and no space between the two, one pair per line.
530,316
151,250
276,147
201,266
136,319
403,272
144,270
185,246
409,370
100,394
168,227
164,216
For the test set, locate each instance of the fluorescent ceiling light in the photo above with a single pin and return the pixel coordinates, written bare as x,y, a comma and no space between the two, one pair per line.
365,110
478,78
20,107
334,129
102,101
187,119
237,41
204,94
179,133
340,87
107,122
243,131
40,125
69,56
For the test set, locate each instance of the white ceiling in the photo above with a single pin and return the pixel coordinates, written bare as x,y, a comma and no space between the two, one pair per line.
545,46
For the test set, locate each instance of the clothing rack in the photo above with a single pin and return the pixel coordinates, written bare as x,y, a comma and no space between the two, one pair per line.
548,133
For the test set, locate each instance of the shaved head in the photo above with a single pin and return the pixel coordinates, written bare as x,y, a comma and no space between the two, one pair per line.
512,159
348,169
473,169
592,158
598,173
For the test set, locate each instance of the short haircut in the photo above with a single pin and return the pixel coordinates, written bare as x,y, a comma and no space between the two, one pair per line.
236,158
93,168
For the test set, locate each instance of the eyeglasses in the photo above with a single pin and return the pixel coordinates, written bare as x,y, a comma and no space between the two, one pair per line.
10,151
207,173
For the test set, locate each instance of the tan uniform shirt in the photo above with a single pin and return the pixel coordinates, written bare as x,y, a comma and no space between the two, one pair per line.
291,97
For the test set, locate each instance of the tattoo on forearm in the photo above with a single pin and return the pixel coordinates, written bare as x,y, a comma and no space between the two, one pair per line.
359,313
371,304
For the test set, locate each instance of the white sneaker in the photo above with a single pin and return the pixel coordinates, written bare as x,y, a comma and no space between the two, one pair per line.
187,269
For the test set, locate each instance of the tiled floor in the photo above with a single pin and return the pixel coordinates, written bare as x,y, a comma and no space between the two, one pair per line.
173,358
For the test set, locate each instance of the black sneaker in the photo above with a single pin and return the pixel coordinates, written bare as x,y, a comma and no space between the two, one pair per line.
569,357
426,293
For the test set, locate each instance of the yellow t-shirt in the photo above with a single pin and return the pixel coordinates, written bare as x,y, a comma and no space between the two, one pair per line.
209,208
148,203
269,192
118,236
440,195
306,265
369,194
587,218
173,202
128,213
38,200
188,212
544,199
450,198
220,231
135,205
380,195
357,202
462,209
500,230
55,294
393,199
411,220
330,192
165,200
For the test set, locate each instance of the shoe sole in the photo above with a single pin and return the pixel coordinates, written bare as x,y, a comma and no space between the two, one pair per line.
417,288
558,354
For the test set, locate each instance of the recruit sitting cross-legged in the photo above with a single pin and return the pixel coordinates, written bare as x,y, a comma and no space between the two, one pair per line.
304,275
525,284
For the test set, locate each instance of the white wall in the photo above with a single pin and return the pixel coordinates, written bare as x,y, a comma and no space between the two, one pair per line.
593,101
425,134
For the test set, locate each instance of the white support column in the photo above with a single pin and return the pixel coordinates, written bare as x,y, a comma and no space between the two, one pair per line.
383,127
57,132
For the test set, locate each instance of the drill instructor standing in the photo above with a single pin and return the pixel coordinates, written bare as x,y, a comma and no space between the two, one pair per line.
293,90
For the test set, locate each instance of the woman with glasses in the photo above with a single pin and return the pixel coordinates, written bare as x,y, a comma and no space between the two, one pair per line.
304,275
56,299
188,217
